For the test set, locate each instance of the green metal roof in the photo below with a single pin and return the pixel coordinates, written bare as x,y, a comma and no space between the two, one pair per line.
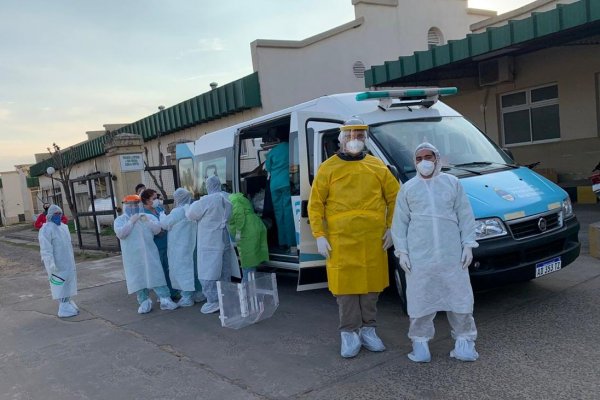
33,182
228,99
567,22
234,97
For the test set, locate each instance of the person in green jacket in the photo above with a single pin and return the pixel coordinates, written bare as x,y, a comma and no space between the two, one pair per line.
250,234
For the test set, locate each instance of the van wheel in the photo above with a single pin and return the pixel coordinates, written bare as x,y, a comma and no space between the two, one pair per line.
400,281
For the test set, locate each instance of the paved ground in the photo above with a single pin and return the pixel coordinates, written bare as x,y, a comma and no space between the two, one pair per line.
537,340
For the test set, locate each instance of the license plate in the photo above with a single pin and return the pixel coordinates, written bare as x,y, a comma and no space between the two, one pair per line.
547,267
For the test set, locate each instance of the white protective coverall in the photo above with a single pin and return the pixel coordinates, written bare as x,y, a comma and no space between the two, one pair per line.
181,242
433,221
57,255
216,255
141,260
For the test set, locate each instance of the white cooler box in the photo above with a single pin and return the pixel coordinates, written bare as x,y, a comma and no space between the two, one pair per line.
243,304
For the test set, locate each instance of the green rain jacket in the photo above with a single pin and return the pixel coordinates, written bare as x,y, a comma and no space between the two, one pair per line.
252,245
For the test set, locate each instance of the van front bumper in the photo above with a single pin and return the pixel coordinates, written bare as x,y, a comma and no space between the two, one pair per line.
503,260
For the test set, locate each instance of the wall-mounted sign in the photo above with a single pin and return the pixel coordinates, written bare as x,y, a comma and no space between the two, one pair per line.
131,162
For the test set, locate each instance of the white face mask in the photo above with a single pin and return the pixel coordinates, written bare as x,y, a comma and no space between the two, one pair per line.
426,167
355,146
156,203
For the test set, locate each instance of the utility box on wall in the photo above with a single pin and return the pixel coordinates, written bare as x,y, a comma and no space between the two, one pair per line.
496,70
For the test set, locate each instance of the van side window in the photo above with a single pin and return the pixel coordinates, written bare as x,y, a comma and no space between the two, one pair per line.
322,143
218,163
186,175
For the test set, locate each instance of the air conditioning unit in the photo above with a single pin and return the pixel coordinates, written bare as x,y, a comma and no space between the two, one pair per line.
497,70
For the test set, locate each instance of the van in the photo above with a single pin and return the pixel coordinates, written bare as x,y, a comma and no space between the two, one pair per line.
526,227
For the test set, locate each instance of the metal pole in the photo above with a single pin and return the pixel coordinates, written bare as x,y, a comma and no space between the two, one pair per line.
53,190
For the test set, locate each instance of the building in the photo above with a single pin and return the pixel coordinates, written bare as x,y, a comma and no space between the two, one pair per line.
530,79
16,199
286,73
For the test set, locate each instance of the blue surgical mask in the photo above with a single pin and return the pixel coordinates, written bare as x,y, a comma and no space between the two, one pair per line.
56,219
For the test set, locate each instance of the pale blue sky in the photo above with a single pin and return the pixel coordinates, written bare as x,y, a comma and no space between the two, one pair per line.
69,66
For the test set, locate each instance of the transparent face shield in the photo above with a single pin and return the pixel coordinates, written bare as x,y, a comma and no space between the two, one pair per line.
353,141
130,209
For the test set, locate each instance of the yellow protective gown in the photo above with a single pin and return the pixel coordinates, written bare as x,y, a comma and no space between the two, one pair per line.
356,200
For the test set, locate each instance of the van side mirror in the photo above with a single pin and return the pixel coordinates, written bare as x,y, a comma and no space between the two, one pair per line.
394,171
508,153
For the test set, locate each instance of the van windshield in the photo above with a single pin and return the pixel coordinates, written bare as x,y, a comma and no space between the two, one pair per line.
463,148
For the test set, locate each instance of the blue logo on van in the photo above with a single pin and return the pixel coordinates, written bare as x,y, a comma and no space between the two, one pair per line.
504,194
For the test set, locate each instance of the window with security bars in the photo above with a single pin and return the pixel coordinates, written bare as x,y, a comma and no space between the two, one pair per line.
530,116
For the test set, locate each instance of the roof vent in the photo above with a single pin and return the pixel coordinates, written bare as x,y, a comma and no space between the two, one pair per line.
359,69
434,38
213,85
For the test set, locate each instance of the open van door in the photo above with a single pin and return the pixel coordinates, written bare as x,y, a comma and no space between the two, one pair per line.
317,140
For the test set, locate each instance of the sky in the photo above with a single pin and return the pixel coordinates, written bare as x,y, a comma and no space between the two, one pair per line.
69,66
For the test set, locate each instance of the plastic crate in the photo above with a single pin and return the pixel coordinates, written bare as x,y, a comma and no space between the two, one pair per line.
243,304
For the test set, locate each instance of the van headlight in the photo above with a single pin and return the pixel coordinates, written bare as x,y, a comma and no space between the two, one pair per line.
489,228
567,208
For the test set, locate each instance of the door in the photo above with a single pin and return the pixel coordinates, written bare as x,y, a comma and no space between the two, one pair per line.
317,140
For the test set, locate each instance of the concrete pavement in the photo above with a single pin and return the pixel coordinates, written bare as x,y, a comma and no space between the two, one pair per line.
537,340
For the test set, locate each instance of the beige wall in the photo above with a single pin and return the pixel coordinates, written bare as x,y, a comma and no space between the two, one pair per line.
291,72
574,69
12,201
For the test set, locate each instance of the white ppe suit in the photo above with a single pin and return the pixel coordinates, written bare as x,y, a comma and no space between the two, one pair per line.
141,260
56,251
433,221
216,255
180,249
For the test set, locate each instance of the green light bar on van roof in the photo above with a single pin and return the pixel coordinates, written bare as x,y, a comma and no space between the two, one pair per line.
428,92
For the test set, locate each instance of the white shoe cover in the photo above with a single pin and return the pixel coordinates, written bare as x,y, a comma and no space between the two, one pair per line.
209,308
199,297
350,344
167,304
185,302
66,310
464,350
145,307
74,305
369,339
420,352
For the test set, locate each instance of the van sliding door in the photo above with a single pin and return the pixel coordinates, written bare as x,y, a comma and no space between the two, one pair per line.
317,137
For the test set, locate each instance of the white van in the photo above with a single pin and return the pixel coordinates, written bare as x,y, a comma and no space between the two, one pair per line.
526,225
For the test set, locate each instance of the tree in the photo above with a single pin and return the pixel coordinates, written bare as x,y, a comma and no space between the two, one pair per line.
158,182
63,162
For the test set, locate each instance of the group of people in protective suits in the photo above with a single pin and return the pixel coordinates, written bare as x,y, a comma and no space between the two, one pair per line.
357,211
200,239
180,256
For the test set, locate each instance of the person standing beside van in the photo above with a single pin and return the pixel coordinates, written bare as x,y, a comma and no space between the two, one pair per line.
434,234
216,256
277,164
250,234
154,206
181,249
354,193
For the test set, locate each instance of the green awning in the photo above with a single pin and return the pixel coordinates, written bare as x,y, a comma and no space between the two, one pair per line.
459,58
228,99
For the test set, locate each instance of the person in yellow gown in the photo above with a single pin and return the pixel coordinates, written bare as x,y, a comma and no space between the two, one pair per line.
350,211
